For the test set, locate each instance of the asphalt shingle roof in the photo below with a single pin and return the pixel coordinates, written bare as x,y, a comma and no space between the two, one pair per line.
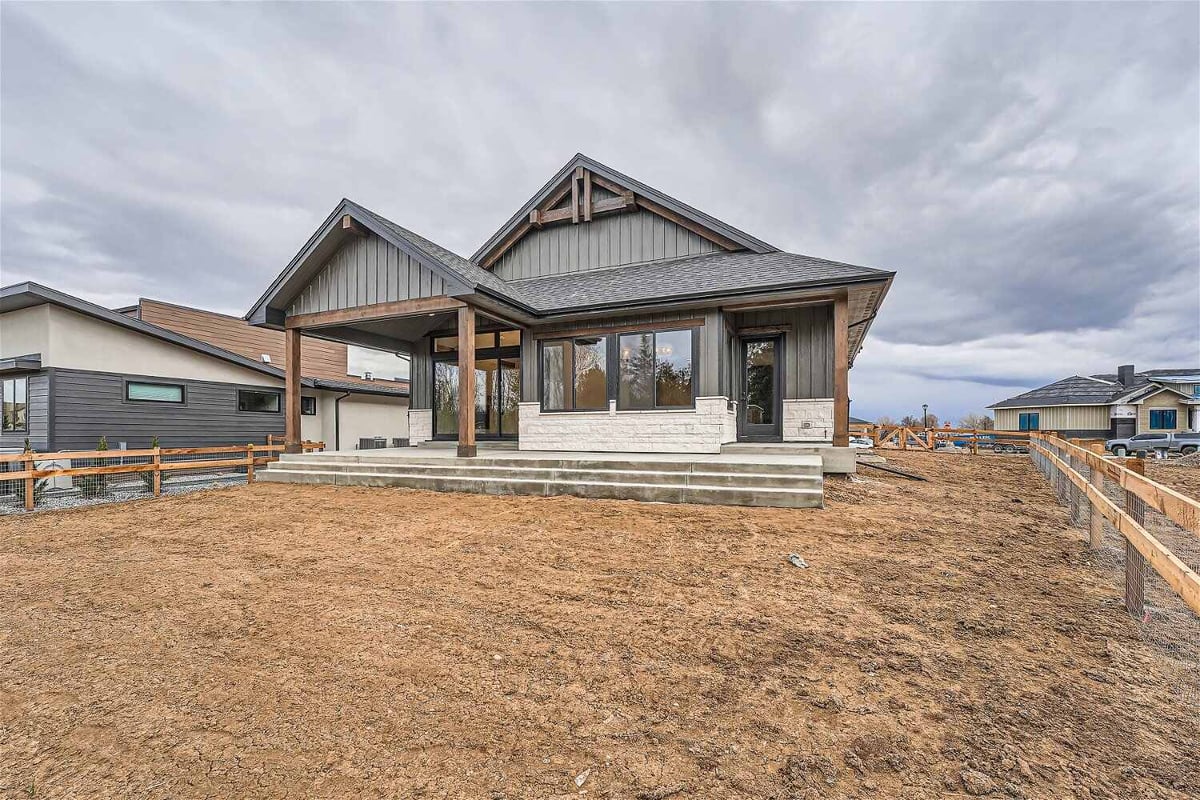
1089,390
714,273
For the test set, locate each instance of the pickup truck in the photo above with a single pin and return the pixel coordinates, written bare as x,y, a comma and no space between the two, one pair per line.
1185,443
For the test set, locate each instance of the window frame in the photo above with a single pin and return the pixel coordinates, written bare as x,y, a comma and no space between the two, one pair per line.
309,402
608,374
238,398
183,393
1029,420
4,393
694,383
498,352
1150,426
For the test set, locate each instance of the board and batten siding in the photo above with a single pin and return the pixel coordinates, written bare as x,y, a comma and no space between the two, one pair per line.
37,415
367,270
1056,418
808,348
88,405
607,241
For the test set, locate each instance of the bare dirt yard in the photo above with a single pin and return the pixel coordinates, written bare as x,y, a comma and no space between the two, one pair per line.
948,638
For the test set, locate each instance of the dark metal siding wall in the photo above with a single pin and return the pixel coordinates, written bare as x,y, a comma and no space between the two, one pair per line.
38,416
808,357
88,405
606,241
367,270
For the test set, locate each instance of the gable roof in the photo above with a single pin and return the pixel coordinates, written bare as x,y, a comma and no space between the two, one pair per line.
29,294
1083,390
319,359
521,217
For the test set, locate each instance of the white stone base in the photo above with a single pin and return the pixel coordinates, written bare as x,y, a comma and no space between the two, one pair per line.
699,430
420,425
808,420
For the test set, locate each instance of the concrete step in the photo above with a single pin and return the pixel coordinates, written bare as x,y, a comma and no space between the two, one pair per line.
806,496
810,466
534,471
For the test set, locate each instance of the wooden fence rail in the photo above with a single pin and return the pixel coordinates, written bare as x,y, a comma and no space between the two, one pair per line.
904,437
1060,461
248,456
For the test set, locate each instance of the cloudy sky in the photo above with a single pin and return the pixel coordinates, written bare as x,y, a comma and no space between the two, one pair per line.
1031,171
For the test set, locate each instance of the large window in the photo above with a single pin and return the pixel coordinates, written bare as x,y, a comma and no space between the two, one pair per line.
259,402
575,374
308,406
14,396
1162,419
1028,421
655,370
153,392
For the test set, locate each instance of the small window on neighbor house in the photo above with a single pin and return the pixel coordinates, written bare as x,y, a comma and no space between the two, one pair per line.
308,406
1162,419
154,392
1028,422
14,396
1196,390
260,402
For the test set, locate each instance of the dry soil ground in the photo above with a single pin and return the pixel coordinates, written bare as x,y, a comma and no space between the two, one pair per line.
269,641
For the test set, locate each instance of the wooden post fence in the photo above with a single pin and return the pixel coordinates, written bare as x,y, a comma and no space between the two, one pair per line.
29,482
1135,562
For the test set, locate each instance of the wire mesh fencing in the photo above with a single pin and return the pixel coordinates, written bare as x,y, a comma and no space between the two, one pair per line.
76,478
1163,617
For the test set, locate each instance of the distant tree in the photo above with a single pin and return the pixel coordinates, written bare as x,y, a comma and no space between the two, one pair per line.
918,420
979,422
885,420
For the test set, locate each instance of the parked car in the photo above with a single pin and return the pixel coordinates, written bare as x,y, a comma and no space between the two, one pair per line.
1185,443
861,441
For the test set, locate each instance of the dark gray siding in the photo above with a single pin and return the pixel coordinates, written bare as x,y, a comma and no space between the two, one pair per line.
808,357
38,416
421,387
363,271
88,405
608,241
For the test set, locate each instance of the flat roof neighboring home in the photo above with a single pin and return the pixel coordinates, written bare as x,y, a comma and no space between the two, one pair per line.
604,315
1106,406
72,371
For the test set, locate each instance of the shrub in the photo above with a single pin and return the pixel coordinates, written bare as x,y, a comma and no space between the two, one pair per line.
93,485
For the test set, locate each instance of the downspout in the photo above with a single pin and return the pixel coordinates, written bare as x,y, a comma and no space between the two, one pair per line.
337,421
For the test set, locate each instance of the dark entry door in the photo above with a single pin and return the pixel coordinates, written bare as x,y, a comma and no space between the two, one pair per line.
760,407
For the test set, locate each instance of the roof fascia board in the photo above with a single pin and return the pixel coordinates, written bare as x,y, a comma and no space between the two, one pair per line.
1002,407
637,187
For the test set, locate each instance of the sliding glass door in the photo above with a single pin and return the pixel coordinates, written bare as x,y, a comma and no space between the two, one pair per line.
497,385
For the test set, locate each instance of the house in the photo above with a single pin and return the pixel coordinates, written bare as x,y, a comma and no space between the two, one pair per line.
1106,406
603,315
72,371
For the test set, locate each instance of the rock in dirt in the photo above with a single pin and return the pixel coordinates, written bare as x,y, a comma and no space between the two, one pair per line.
976,783
796,561
582,777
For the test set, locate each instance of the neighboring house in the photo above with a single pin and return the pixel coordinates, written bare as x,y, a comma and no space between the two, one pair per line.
602,316
1108,406
72,371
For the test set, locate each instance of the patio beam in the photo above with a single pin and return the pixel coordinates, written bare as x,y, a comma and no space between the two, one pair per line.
466,382
841,371
291,384
395,308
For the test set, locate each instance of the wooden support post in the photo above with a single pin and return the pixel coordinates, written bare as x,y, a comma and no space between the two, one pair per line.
587,195
157,461
1135,562
1096,527
29,482
249,463
575,178
466,382
291,442
841,372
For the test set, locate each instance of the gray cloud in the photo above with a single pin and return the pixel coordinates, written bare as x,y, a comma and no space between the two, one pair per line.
1031,170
